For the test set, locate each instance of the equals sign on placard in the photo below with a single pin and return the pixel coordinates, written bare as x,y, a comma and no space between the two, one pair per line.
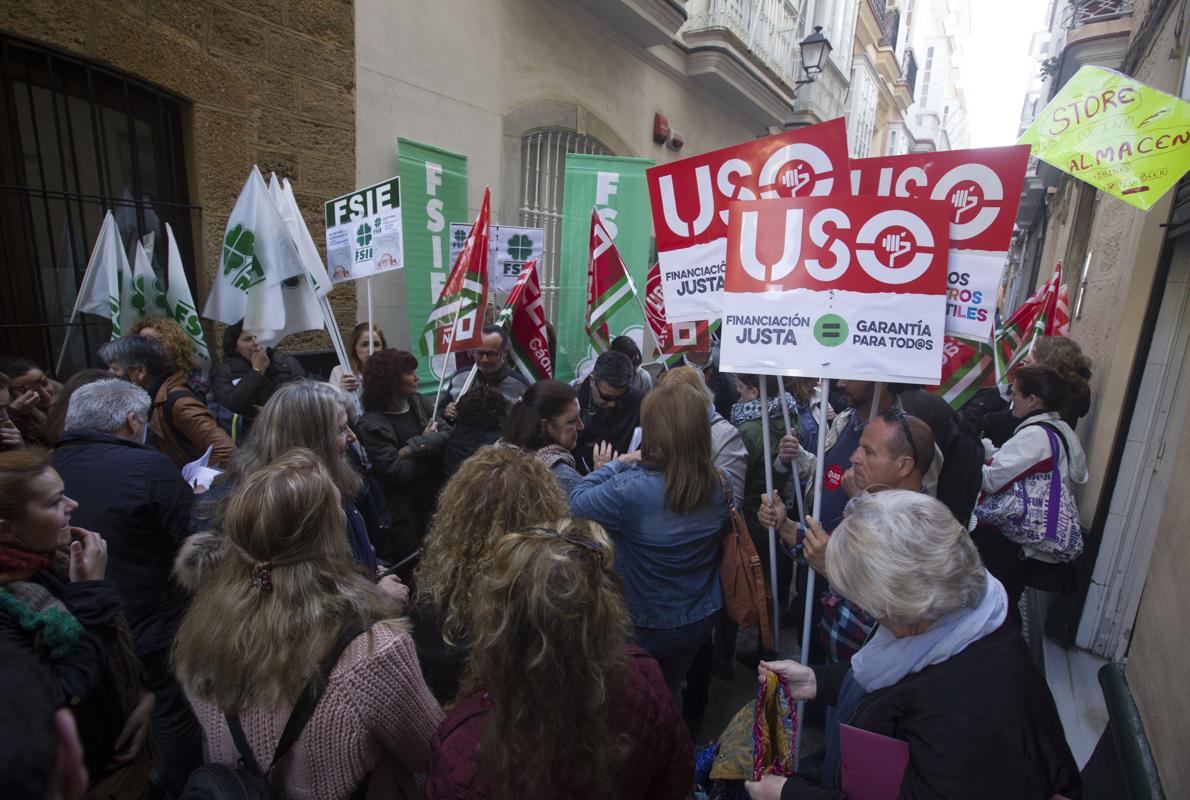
831,330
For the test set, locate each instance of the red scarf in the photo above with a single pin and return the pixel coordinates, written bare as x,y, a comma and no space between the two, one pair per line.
14,559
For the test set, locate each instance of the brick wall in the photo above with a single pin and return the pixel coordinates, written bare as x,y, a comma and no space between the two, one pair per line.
271,82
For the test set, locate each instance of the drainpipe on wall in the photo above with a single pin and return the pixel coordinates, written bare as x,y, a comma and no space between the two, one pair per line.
1137,765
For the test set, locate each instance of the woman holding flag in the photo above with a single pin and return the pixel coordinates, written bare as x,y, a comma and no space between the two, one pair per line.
404,445
364,342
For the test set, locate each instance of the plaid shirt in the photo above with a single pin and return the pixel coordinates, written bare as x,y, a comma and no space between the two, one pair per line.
843,628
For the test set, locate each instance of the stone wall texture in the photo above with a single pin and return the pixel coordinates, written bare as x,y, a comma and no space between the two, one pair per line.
270,82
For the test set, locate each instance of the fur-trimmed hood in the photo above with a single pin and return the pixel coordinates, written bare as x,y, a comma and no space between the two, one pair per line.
197,558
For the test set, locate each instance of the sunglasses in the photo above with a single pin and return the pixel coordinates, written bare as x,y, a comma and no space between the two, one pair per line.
897,415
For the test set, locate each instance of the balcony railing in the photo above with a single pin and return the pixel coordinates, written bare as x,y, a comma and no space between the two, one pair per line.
909,70
879,9
890,27
771,29
1087,12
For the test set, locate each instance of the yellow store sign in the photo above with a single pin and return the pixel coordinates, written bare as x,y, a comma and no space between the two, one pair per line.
1130,140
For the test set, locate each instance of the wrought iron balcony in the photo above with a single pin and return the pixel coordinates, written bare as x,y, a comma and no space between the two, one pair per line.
1087,12
909,70
769,29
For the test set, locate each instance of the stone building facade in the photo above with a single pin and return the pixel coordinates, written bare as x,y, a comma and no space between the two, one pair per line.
1128,276
267,82
481,79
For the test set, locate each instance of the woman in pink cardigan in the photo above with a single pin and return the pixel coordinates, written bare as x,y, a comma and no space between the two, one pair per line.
273,595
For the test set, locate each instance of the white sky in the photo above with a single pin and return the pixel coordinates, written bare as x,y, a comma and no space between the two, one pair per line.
996,66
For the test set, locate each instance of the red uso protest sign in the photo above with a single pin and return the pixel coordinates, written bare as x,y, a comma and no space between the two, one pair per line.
690,199
981,189
837,287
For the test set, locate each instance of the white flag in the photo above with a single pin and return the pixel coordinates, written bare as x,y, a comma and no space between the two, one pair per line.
315,268
142,295
178,300
258,253
257,250
149,240
100,290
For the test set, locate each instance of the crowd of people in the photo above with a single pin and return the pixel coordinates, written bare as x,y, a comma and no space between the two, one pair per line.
511,590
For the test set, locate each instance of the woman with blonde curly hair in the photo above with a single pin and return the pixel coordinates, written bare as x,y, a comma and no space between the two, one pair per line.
269,608
497,490
179,350
558,705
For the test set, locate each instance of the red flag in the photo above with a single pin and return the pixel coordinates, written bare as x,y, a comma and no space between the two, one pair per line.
465,295
967,367
608,285
529,336
675,337
1046,313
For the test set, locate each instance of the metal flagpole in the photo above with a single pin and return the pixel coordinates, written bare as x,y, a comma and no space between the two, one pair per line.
450,346
797,479
370,324
877,388
768,488
809,602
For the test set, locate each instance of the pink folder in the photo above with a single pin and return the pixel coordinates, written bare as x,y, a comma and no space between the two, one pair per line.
872,765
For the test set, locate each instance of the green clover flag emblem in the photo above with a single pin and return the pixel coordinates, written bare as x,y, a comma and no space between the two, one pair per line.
238,249
520,247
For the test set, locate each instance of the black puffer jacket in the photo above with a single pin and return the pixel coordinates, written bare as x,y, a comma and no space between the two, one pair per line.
410,482
981,724
235,385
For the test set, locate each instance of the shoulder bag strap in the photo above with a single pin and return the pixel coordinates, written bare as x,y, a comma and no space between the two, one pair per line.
237,735
167,410
302,710
1056,431
308,701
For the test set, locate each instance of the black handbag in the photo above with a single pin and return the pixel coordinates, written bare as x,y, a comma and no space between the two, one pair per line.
246,780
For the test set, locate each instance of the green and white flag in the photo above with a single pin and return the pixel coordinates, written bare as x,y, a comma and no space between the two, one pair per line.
616,188
433,191
261,278
143,295
99,292
179,302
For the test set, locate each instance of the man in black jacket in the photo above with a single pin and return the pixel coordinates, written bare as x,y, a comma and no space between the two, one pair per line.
608,407
138,500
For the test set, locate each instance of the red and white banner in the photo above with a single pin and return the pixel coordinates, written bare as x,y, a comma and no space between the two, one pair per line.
838,287
524,316
982,189
672,337
690,199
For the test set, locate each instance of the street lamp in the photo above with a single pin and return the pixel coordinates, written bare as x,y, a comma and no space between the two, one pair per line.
816,49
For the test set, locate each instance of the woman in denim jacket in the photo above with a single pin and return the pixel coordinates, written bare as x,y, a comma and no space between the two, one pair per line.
666,510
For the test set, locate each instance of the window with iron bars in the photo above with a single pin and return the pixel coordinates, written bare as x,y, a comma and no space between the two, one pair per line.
76,140
543,168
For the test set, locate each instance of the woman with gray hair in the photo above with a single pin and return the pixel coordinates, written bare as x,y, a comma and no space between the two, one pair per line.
942,671
303,414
